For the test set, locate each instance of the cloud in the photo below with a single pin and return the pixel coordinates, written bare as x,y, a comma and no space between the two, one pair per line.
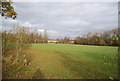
67,19
65,0
73,22
8,23
40,30
26,24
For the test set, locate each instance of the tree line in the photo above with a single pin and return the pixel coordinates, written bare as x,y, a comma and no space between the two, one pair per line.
106,38
65,40
16,40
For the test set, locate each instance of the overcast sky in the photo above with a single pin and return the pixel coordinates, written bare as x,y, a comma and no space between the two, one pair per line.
66,18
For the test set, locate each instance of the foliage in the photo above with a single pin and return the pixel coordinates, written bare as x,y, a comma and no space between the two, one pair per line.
18,71
109,38
16,40
7,9
66,40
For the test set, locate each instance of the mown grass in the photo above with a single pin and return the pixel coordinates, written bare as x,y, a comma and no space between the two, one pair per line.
66,61
74,61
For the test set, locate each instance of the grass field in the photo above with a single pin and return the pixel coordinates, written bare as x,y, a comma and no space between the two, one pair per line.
69,61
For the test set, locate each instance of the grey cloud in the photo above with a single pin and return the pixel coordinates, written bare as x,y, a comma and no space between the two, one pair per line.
68,18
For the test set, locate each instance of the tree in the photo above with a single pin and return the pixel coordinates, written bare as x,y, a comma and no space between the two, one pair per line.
66,40
45,36
110,38
7,9
101,41
77,40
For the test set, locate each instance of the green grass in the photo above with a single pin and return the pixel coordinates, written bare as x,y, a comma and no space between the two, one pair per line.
69,61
